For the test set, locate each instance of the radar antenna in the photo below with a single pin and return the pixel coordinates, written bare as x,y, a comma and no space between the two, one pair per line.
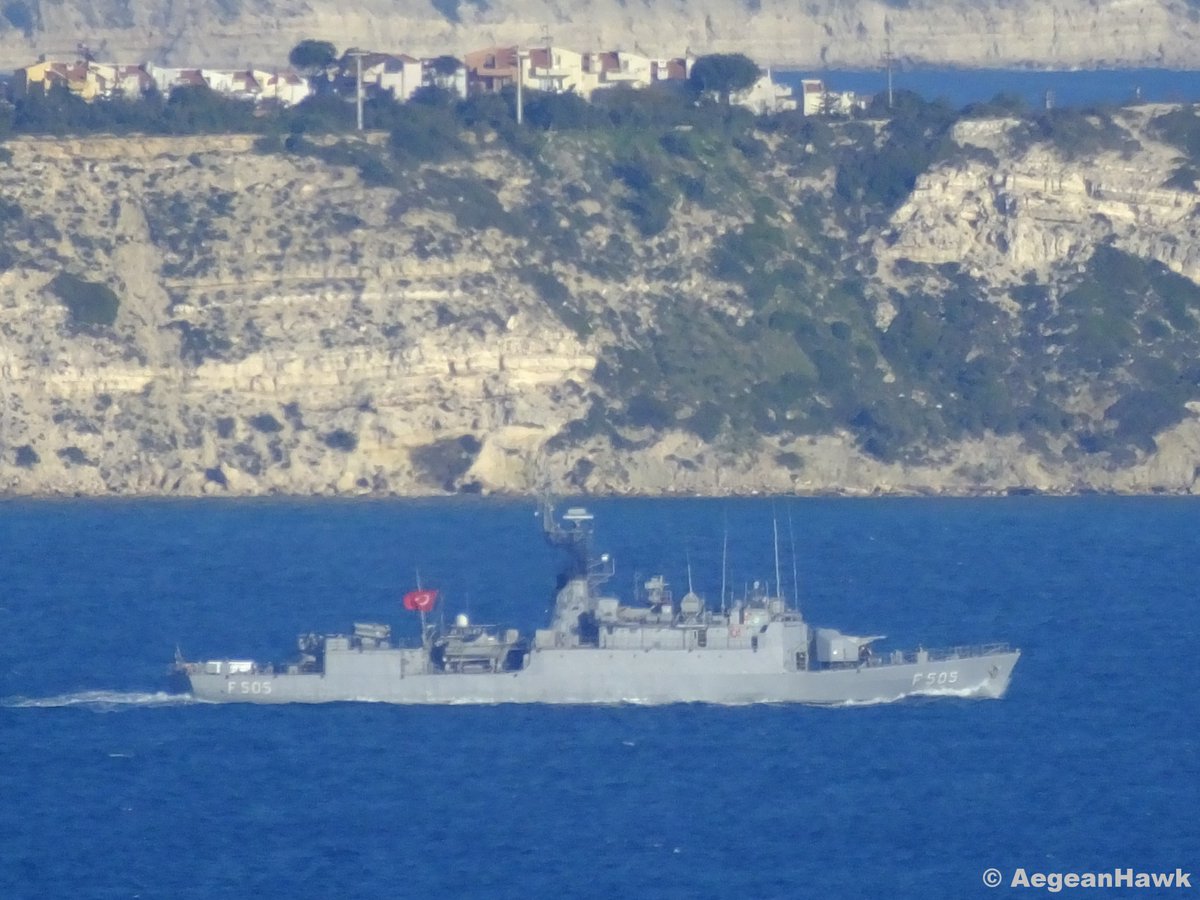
576,539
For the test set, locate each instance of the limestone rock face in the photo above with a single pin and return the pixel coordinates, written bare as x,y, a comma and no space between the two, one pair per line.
273,355
285,327
824,33
1033,210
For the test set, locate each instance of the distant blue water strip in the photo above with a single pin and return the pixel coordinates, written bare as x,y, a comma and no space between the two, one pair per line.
960,87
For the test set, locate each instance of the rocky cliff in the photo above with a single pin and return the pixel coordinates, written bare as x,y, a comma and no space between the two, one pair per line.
191,315
825,33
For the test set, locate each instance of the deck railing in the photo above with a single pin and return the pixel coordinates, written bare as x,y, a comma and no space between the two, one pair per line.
900,657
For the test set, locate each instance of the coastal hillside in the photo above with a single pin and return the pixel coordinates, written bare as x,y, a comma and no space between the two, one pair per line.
817,35
646,295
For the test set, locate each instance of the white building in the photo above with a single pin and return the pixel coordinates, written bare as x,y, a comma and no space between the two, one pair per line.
765,96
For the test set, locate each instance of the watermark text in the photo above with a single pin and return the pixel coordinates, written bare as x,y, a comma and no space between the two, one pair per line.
1054,882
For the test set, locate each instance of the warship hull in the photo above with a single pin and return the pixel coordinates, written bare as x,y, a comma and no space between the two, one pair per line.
588,676
597,649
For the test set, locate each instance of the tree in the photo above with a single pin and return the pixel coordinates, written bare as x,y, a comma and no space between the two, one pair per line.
20,16
723,74
445,65
313,57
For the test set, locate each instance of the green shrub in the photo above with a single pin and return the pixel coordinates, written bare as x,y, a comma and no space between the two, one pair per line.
684,142
561,112
197,344
557,296
1181,128
789,460
473,204
265,423
881,177
426,134
1075,133
647,410
10,211
653,191
341,440
740,253
443,462
73,456
20,16
88,304
707,422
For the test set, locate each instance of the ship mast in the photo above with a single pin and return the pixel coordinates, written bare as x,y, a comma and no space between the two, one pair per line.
724,569
795,573
778,581
577,541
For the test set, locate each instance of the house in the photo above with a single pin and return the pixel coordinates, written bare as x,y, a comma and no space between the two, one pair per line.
817,101
765,96
446,73
287,88
46,74
812,96
844,103
554,70
167,79
610,68
239,84
87,79
491,70
675,69
121,80
399,76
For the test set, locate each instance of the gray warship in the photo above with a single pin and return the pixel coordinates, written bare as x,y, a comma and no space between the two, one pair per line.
598,650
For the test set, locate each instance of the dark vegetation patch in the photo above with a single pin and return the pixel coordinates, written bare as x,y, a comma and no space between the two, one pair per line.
796,350
341,440
444,462
265,423
89,304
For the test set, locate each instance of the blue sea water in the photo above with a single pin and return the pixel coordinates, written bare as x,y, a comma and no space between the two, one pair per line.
111,789
1068,88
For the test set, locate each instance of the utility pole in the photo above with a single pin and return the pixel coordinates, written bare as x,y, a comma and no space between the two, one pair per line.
522,55
358,90
887,58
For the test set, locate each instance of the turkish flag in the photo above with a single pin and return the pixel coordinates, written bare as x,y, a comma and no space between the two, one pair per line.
420,601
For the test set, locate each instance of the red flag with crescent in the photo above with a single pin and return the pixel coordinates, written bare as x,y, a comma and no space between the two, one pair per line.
420,601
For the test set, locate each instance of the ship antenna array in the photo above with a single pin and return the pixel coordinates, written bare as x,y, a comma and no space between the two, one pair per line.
575,540
724,568
778,580
795,574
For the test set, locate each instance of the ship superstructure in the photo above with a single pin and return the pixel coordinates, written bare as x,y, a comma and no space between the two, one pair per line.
597,649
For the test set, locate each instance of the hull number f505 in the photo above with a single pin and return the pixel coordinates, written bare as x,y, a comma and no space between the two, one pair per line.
248,687
934,679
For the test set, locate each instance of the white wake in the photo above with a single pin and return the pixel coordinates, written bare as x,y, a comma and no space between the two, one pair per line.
100,701
974,693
